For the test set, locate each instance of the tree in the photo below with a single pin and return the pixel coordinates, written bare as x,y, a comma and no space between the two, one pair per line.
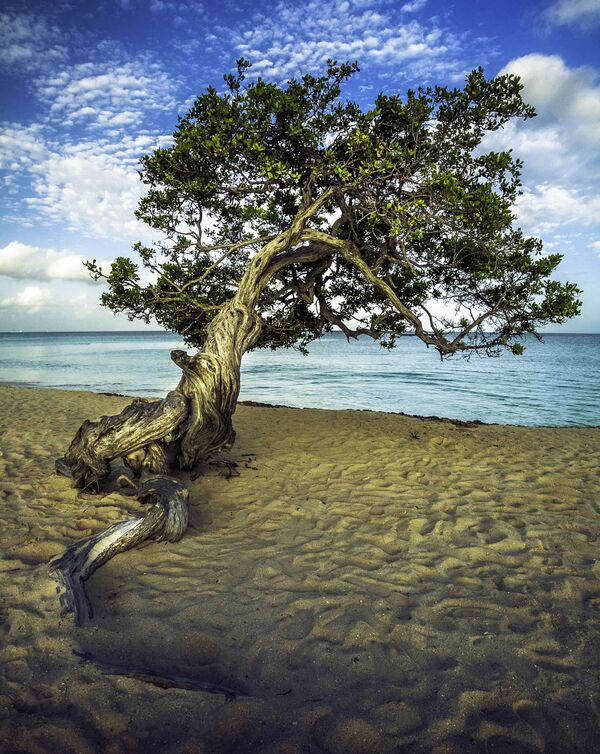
285,212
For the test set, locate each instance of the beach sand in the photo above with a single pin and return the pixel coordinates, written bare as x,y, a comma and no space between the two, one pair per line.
372,582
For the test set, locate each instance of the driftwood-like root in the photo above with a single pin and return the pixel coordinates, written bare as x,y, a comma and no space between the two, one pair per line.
167,520
140,435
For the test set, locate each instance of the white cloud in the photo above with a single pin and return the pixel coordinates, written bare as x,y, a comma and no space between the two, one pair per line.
560,148
108,95
300,37
20,146
125,152
21,151
568,96
28,42
89,184
32,298
177,7
582,13
22,261
546,152
90,194
92,186
414,6
596,246
548,207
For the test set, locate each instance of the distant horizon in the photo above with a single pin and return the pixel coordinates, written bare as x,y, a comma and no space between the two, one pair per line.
556,382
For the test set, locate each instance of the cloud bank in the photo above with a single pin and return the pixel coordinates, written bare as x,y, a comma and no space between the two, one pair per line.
584,14
25,262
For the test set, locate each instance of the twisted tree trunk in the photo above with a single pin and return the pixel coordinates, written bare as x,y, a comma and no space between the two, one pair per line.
192,421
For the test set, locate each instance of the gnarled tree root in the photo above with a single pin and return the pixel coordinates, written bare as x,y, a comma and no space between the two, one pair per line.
141,434
166,520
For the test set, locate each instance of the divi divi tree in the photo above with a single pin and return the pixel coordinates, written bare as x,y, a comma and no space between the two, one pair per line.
285,212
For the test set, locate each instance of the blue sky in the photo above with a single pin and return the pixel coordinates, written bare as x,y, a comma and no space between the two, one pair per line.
88,87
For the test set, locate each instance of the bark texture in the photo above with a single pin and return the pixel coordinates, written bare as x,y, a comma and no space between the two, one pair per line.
167,520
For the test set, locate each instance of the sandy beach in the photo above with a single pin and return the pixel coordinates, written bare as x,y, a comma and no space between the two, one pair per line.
362,583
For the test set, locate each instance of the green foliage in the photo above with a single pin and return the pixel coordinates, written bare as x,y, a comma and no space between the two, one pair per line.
411,190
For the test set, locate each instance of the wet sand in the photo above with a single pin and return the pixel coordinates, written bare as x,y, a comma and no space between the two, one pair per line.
363,582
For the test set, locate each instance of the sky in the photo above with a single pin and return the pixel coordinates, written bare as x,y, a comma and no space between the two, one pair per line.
88,87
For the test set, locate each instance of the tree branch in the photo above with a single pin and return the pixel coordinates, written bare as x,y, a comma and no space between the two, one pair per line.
231,248
351,253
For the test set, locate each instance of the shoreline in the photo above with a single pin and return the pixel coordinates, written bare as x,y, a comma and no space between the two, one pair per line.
419,417
363,582
552,385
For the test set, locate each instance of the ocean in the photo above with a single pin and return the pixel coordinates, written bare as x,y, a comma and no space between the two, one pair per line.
555,383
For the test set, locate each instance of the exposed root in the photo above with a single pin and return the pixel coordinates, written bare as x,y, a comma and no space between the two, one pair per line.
140,434
166,519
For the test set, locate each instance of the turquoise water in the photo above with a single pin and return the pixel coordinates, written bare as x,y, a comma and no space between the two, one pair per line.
556,383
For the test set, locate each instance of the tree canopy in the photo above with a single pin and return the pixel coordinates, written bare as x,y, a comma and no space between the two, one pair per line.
407,223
